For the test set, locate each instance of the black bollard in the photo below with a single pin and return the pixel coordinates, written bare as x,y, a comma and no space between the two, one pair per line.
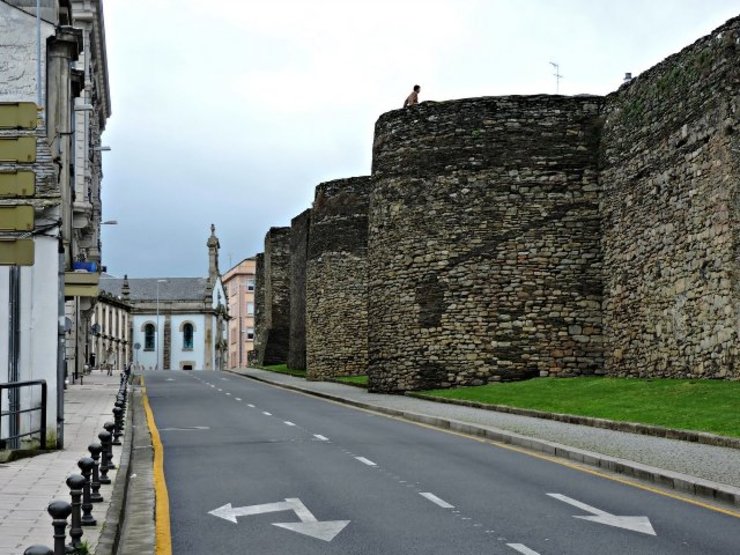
76,483
110,427
38,550
105,440
117,428
86,464
121,405
59,511
95,449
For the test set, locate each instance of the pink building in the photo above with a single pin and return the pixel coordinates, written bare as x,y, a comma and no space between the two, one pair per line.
239,285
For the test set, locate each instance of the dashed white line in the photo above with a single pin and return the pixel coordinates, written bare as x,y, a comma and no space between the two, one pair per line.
436,500
521,548
266,413
320,437
238,398
288,423
368,462
228,394
250,405
219,389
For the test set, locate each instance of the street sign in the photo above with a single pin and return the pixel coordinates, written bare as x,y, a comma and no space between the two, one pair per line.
18,115
16,218
18,149
323,530
17,252
17,184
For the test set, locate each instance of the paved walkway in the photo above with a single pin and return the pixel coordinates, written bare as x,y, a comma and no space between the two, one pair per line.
28,485
700,469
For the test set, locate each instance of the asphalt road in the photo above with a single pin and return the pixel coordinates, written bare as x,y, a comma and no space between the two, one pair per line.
252,468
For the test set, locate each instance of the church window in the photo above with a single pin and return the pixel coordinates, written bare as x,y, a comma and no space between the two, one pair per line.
187,336
149,337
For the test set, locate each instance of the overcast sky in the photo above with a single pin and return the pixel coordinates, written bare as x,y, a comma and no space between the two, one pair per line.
231,112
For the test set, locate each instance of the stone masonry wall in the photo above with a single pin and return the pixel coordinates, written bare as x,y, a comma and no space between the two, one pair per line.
336,280
671,215
260,310
298,249
277,295
483,246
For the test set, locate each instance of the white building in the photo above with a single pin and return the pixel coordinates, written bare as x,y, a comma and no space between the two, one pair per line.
176,323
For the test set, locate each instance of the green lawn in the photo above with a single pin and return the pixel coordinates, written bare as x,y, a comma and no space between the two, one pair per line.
360,381
283,369
700,405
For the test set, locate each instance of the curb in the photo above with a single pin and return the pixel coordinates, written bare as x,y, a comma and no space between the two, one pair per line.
666,478
110,534
631,427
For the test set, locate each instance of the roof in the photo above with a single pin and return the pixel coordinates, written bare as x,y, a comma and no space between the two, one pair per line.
145,289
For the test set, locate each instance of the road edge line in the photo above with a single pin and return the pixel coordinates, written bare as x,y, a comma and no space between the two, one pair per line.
163,545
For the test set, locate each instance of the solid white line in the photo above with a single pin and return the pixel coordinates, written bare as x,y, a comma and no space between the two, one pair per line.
436,500
238,398
368,462
289,423
267,413
320,437
521,548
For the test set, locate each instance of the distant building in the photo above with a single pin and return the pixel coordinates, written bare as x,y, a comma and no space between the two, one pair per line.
239,283
190,312
109,341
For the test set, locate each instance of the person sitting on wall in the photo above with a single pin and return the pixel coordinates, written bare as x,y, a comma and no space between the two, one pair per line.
413,98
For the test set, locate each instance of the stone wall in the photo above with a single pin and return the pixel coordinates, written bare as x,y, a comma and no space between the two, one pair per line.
483,247
670,211
277,295
260,310
336,279
298,249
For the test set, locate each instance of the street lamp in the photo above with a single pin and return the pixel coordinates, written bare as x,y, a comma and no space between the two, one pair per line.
156,336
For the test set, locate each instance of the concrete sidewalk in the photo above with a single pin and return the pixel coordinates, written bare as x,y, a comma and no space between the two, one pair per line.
705,470
28,485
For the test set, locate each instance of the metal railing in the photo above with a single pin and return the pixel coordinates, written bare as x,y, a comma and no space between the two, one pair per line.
14,412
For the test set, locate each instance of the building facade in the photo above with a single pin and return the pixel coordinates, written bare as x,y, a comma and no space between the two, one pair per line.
54,68
239,283
108,346
176,323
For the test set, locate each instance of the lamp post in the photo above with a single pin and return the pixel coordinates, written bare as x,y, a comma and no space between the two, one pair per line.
156,335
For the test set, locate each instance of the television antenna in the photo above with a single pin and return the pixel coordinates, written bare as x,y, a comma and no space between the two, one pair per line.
557,75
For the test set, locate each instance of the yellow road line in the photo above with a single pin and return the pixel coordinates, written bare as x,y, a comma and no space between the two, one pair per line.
162,499
523,451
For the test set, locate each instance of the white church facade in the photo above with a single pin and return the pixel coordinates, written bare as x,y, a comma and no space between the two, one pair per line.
176,323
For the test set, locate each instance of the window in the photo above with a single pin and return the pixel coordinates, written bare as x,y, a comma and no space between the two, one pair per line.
250,285
187,337
250,334
149,337
250,308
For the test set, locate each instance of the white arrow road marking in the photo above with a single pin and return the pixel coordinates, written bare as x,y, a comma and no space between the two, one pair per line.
635,523
436,500
521,548
368,462
320,437
323,530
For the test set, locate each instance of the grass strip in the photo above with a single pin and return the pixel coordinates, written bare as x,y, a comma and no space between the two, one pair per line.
711,406
283,369
359,381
